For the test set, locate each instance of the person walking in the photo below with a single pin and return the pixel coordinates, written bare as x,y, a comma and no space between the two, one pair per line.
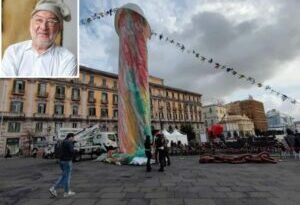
65,163
148,153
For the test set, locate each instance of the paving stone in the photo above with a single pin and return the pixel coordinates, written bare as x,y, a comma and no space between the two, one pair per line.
242,188
280,201
222,189
236,194
111,202
199,202
228,202
186,195
135,195
63,201
84,202
138,202
260,194
36,202
257,202
168,201
155,195
112,195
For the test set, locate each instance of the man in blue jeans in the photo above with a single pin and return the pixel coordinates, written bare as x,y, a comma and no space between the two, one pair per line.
65,163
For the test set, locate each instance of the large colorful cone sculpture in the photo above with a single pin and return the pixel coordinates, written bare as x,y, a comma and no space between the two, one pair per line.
134,99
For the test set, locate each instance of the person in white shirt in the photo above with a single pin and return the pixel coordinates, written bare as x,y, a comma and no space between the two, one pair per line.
41,57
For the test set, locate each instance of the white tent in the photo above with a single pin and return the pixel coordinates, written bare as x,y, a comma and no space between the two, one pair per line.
180,137
169,137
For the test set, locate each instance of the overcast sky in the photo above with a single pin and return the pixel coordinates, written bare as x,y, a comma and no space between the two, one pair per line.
258,38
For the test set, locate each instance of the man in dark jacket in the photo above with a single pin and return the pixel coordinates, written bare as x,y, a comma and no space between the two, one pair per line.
65,163
148,152
160,142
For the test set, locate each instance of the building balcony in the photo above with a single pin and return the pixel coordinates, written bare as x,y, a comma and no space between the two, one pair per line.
75,98
59,96
42,95
92,117
41,115
13,114
91,100
58,116
75,116
18,92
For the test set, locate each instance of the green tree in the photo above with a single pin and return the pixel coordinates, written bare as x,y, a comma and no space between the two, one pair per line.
188,129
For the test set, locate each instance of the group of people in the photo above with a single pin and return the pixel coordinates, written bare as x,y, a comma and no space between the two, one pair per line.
161,153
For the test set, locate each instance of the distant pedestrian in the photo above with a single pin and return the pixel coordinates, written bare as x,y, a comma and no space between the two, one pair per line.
148,152
166,149
65,163
7,154
160,142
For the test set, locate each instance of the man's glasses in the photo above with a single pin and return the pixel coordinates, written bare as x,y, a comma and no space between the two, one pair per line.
49,22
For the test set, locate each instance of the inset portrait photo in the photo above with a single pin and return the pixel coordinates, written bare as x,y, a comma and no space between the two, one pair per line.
39,39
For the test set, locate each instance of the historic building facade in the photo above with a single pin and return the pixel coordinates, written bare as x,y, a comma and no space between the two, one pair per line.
39,107
237,125
252,109
213,114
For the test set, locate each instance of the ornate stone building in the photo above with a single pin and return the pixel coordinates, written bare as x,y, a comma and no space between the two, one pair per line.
39,107
252,109
213,114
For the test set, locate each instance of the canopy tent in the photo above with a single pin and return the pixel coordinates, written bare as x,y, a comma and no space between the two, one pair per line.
175,136
180,137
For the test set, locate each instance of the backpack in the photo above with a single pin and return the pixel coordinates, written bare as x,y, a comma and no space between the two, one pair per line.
58,150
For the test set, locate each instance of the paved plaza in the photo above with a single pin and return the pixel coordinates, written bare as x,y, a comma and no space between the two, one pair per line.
185,182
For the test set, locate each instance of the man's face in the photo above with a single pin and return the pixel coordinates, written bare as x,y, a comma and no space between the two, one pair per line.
44,27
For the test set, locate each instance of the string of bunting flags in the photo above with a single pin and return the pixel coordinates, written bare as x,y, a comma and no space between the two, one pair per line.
215,64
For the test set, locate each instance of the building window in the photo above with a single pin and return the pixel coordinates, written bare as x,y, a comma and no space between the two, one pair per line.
115,113
115,99
41,108
115,85
16,107
104,98
75,94
74,110
60,92
14,127
91,79
74,125
58,125
92,111
19,86
58,109
175,115
83,77
39,127
91,97
161,115
104,82
42,90
104,112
